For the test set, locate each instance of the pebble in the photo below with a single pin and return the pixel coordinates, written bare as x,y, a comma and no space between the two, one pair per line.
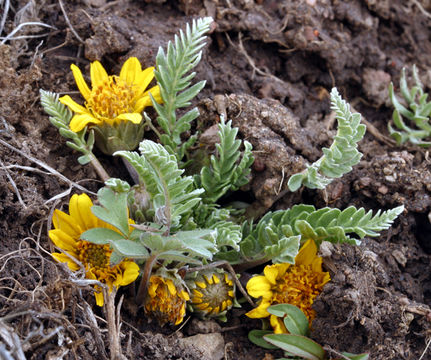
211,345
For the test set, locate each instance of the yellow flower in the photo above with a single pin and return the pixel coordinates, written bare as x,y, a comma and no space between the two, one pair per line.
165,300
297,284
212,293
112,99
94,258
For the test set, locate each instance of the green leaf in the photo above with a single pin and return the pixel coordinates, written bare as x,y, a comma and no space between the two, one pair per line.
277,234
256,337
173,195
113,210
285,250
341,156
174,79
130,249
356,356
172,255
294,319
297,345
225,173
60,118
101,236
417,113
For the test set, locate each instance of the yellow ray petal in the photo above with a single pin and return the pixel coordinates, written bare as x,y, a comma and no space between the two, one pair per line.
185,295
79,122
152,289
80,82
131,70
144,78
131,272
99,298
260,311
73,106
63,258
277,324
63,240
98,74
259,286
272,272
171,287
66,223
135,118
145,100
307,253
80,210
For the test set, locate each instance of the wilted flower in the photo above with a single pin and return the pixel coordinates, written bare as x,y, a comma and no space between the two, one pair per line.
166,300
212,293
113,104
297,284
95,258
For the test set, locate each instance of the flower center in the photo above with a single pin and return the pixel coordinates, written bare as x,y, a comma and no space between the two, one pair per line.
111,98
299,286
94,257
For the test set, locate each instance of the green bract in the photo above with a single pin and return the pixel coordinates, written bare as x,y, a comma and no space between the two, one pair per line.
417,111
341,156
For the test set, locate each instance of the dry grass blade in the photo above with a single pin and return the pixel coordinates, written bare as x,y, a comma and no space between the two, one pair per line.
5,12
20,26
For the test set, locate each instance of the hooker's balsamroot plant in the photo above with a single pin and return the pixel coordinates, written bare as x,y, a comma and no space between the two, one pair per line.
170,227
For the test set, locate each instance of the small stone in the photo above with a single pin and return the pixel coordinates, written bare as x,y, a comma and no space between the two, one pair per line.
399,257
210,345
383,190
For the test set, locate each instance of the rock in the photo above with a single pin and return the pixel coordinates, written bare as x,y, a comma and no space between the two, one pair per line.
211,345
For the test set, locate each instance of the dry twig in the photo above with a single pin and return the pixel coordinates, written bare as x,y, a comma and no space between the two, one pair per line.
66,18
20,26
46,167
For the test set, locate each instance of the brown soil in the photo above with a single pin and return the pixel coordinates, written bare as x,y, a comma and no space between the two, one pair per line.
269,67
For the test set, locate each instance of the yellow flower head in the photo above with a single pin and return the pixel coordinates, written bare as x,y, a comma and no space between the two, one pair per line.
112,99
94,258
297,284
212,293
166,300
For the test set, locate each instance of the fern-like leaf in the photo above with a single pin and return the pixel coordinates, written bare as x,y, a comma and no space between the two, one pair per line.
418,112
172,195
174,78
226,173
341,156
60,117
273,237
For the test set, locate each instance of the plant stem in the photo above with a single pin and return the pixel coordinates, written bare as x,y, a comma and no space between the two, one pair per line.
113,328
239,268
99,168
143,285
